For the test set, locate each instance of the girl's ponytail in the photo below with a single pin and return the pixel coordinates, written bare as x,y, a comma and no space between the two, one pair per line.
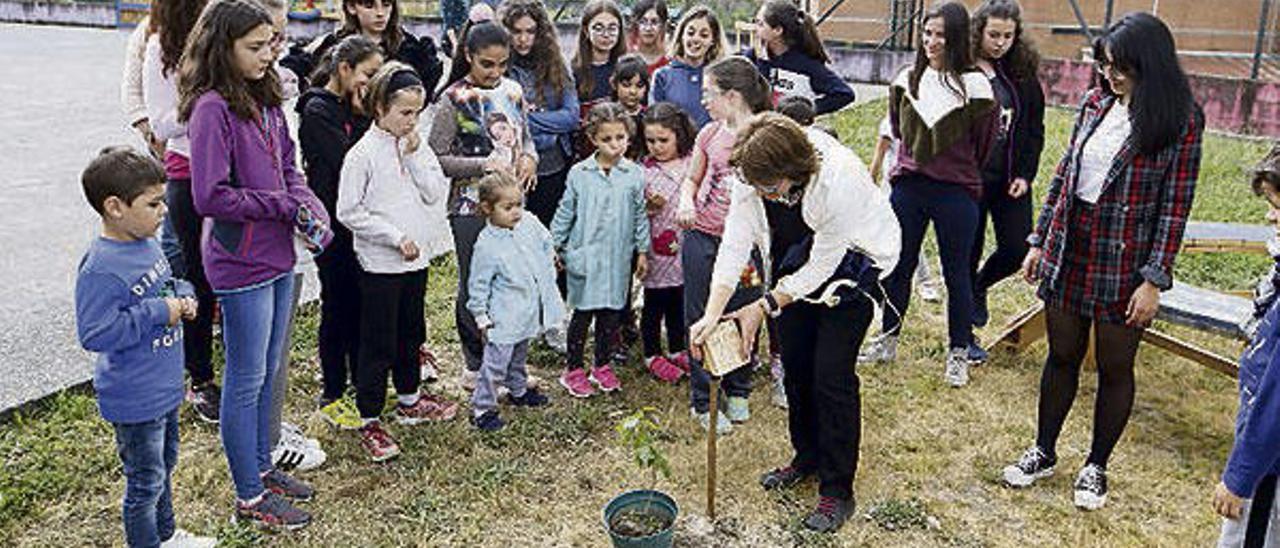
737,73
798,29
352,50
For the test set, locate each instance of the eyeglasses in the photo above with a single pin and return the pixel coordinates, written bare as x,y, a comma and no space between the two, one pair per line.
1107,68
604,30
650,23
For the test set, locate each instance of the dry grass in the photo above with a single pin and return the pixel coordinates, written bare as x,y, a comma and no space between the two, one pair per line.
927,477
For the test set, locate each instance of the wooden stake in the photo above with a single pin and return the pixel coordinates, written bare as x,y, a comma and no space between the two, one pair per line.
711,448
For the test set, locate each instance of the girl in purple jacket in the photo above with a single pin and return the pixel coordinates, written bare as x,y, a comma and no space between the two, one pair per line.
254,199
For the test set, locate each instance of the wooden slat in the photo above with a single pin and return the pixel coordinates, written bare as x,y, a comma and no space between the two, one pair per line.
1205,309
1025,328
1192,352
1203,237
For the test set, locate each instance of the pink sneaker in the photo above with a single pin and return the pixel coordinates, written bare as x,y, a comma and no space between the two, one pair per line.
575,381
665,370
681,360
603,378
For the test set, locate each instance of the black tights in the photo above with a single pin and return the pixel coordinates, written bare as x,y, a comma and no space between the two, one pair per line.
1115,348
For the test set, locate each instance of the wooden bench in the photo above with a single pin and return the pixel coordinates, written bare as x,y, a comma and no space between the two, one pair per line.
1183,304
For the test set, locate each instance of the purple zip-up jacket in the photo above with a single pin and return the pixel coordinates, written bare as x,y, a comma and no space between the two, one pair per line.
245,183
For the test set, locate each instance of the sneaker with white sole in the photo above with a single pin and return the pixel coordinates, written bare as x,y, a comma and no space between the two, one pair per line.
1032,466
882,349
183,539
737,410
723,426
295,451
957,367
1091,487
427,371
273,512
469,379
778,394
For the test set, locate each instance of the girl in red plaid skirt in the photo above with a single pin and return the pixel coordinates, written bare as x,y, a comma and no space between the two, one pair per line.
1105,242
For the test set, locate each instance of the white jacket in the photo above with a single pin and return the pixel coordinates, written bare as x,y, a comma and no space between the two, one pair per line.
842,205
383,200
160,93
131,101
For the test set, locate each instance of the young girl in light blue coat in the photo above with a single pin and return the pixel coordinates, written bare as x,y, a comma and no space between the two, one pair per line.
601,230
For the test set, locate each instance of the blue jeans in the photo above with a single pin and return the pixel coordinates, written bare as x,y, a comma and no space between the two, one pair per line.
917,200
255,324
169,245
149,451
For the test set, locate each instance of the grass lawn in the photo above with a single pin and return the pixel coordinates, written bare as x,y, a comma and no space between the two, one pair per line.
928,471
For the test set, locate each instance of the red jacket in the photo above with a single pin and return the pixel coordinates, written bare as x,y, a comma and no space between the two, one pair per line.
1141,213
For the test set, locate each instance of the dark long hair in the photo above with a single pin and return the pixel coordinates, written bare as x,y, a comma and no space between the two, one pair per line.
548,63
737,73
672,117
352,51
207,61
475,37
1142,48
1022,60
391,37
957,56
582,57
798,30
172,20
637,13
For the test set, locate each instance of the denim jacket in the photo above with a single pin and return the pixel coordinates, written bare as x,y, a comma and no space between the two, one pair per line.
551,122
513,282
1256,451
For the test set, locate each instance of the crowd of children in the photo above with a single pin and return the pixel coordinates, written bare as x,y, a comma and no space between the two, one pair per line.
622,159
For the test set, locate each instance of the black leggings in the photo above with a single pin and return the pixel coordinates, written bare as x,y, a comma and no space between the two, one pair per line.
606,324
339,315
1011,223
197,334
662,305
1115,348
392,327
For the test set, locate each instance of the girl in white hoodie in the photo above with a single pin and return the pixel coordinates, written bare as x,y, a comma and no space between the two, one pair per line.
392,196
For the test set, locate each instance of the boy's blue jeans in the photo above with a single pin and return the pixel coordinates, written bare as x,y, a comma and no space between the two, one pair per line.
149,451
254,328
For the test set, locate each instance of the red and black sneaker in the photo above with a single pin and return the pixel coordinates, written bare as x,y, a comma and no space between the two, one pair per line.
829,515
273,512
286,486
782,478
205,400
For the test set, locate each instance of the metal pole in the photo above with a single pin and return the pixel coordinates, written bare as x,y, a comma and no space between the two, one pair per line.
1084,25
1106,19
1257,43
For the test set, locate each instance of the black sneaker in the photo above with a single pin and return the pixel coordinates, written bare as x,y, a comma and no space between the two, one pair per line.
489,421
1033,465
286,486
272,511
531,398
782,478
1091,487
830,514
205,400
980,313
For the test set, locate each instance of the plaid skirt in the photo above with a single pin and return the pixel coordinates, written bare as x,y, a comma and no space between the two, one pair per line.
1074,274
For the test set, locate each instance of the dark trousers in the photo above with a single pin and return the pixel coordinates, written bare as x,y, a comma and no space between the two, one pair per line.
149,452
1116,346
339,316
543,200
466,228
606,325
1011,223
662,305
697,258
392,327
819,348
917,200
197,334
1260,513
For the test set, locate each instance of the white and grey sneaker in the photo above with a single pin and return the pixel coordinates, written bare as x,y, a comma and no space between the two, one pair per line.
183,539
1033,465
778,394
1091,487
882,349
295,451
723,426
957,369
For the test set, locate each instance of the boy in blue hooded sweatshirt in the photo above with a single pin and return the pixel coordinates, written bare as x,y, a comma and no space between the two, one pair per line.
1246,495
128,310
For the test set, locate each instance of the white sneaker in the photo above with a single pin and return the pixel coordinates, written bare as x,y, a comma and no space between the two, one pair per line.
469,379
1032,466
778,394
881,349
1091,488
723,426
737,410
183,539
428,373
295,451
957,369
929,292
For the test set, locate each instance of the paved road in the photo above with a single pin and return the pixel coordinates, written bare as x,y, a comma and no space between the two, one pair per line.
62,105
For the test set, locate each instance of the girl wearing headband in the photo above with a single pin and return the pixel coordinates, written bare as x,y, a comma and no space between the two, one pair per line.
391,195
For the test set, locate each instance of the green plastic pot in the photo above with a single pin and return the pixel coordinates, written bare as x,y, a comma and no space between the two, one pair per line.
658,502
